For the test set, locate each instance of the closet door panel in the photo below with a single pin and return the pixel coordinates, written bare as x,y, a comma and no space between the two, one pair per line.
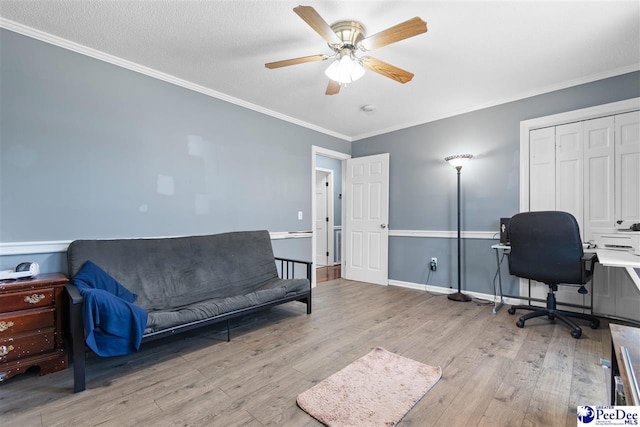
627,168
627,295
542,170
604,291
598,176
569,173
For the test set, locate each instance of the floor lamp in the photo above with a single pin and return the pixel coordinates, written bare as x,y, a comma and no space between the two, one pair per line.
457,162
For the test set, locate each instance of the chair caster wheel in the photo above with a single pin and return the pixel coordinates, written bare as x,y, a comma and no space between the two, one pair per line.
595,324
512,310
520,324
576,334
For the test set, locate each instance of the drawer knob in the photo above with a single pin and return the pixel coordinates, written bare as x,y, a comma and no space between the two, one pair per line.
4,350
34,299
5,325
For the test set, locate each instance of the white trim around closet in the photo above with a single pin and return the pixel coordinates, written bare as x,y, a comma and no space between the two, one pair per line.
526,126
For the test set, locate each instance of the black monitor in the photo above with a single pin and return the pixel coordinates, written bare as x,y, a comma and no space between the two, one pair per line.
504,231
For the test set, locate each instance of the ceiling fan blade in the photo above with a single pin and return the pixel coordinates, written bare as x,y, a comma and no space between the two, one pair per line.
332,88
402,31
315,21
294,61
387,70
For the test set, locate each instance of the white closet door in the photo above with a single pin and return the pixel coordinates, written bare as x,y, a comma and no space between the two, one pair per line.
569,173
569,188
627,168
542,169
542,187
598,176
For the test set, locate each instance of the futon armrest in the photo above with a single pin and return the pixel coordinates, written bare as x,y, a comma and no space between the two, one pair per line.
74,294
287,267
292,260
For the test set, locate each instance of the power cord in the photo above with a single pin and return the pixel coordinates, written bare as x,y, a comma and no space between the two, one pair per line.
427,284
476,300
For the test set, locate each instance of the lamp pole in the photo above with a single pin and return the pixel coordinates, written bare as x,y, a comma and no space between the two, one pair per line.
457,161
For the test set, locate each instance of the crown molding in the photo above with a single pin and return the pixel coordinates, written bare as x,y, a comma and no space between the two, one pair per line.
500,101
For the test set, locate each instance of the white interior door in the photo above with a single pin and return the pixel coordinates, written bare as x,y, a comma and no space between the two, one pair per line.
367,219
322,224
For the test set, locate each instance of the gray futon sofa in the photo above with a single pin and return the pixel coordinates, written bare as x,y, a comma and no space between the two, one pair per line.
187,282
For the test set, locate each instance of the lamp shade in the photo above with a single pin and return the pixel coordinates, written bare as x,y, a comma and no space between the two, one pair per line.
459,160
345,70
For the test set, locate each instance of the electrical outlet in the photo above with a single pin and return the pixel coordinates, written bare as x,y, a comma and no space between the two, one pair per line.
433,265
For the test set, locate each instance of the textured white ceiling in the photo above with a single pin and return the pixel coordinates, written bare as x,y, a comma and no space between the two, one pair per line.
475,54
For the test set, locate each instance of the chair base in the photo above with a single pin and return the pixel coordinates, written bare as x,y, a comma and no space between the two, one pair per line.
552,313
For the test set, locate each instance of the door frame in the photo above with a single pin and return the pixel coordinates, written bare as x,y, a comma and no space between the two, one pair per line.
315,150
330,214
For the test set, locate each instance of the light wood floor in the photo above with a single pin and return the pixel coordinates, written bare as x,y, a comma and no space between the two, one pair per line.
493,372
331,272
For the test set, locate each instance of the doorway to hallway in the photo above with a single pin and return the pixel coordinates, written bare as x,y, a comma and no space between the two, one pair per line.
324,274
327,164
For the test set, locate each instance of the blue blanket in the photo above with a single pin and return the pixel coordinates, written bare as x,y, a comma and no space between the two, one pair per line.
113,324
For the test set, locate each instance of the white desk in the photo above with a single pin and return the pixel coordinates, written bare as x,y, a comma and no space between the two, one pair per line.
621,258
505,249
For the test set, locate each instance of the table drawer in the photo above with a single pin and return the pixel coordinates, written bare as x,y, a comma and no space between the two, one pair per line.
27,345
18,322
26,299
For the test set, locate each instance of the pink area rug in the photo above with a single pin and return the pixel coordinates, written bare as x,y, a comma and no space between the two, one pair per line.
376,390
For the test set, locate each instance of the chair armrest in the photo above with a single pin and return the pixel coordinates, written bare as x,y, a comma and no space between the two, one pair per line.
589,260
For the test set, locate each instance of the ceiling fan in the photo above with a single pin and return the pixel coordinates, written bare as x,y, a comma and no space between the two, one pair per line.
345,38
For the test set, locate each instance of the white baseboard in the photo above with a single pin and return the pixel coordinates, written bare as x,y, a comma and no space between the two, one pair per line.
446,291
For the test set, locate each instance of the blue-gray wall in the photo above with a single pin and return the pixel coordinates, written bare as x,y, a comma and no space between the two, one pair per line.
423,186
92,150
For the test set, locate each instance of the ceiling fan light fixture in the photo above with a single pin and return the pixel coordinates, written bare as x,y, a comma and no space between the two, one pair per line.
345,69
345,38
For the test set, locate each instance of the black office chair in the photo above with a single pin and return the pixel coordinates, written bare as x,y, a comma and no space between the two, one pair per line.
546,247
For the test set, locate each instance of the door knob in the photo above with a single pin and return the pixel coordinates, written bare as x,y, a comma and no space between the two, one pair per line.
383,225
